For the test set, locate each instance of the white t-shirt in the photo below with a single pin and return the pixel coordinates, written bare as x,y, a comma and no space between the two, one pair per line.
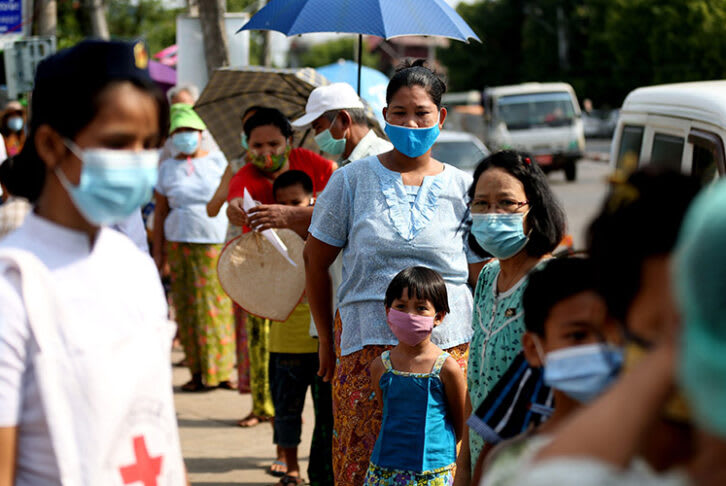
590,472
109,287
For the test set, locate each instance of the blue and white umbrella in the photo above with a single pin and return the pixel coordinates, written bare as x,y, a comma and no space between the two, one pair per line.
382,18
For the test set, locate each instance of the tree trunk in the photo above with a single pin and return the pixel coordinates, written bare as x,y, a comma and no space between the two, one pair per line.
193,7
97,14
266,41
216,48
46,17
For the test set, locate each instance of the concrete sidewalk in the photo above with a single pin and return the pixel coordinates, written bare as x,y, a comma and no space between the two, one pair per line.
217,451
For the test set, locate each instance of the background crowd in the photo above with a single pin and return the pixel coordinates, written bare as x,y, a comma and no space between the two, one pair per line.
441,339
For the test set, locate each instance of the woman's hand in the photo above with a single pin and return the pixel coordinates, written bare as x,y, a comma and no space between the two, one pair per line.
268,216
318,288
326,355
235,214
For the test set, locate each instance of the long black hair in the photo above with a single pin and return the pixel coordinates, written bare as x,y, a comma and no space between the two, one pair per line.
640,219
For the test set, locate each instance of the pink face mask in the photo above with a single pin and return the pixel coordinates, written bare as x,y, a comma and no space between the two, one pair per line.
408,328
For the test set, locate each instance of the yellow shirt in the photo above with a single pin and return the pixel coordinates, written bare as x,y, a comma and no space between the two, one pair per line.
293,335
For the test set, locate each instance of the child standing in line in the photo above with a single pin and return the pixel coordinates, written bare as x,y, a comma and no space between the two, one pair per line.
294,367
421,388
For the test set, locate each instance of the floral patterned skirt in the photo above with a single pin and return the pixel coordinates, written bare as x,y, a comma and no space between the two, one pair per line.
203,311
379,476
357,415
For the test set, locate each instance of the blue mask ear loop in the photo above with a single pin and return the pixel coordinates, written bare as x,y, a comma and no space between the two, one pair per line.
540,351
75,150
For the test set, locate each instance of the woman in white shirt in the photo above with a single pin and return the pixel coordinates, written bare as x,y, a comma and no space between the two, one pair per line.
85,378
191,241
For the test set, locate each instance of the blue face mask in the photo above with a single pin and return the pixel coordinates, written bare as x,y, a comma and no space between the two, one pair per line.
412,142
186,142
583,372
501,235
245,145
15,123
114,183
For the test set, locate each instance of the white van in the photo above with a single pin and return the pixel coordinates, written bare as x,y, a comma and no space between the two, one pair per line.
677,126
542,119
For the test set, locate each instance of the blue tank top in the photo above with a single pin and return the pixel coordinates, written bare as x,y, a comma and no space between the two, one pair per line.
416,433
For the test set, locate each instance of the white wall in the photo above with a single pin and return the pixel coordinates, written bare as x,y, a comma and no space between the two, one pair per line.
191,66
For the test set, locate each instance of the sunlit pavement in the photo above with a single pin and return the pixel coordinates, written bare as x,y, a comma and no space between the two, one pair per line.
217,451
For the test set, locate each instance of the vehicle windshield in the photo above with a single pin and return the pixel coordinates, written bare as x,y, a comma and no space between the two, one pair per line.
461,154
519,112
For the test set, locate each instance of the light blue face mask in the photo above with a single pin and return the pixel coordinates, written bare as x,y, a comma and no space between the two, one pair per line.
243,141
501,235
583,372
328,144
15,123
413,142
186,142
114,183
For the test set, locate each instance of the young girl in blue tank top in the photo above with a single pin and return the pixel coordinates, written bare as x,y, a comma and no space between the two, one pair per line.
420,387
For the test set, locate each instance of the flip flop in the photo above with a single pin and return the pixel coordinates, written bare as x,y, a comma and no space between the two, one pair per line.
252,420
288,480
194,386
280,473
227,385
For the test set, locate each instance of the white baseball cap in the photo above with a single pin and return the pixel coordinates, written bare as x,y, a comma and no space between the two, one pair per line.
336,96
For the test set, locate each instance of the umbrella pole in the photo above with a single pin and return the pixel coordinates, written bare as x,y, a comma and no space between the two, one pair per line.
360,59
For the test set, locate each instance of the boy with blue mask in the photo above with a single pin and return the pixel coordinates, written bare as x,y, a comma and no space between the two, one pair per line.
570,335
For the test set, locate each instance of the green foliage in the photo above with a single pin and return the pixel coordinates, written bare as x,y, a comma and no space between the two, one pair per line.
145,19
329,52
239,5
614,46
128,19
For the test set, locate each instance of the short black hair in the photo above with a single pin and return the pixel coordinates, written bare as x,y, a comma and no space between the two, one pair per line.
292,177
416,73
268,116
558,280
640,219
546,218
421,282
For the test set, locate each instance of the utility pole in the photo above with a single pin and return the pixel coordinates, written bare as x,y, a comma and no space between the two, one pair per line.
97,14
562,47
46,15
216,47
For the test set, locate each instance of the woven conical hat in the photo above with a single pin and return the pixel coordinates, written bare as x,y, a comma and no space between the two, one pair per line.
259,279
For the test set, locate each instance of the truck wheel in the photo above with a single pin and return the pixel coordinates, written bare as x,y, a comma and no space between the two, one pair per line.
571,171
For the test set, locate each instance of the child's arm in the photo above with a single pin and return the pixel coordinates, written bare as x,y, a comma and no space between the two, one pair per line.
455,388
377,370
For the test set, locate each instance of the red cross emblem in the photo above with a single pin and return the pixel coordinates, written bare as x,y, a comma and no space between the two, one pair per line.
146,469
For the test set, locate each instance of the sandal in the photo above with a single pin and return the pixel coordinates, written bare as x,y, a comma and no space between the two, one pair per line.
288,480
194,385
227,385
251,420
278,468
